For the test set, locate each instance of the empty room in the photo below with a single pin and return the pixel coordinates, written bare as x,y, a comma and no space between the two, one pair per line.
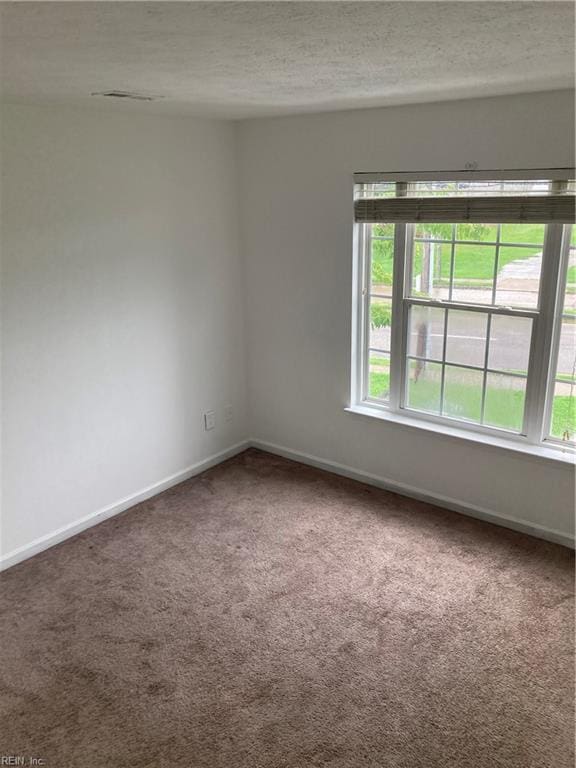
288,384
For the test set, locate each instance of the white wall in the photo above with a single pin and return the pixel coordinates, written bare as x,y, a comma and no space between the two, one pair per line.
122,308
124,295
296,197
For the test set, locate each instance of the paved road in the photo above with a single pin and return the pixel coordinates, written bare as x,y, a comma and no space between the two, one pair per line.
522,269
509,343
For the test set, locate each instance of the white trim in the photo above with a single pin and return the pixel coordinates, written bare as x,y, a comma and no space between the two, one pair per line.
471,510
357,349
555,325
67,531
463,306
402,235
365,318
557,452
554,255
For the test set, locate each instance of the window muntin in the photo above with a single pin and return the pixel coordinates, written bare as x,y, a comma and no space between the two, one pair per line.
379,383
476,289
495,264
471,354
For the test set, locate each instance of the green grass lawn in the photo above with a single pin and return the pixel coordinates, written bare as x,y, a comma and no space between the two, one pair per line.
504,408
563,415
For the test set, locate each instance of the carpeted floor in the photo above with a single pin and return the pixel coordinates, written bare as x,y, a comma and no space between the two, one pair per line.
269,615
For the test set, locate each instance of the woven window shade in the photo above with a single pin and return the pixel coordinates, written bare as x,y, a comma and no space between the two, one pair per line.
539,209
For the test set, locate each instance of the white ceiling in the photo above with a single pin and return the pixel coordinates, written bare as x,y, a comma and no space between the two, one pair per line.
247,59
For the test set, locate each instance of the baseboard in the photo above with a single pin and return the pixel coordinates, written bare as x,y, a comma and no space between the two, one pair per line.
67,531
533,529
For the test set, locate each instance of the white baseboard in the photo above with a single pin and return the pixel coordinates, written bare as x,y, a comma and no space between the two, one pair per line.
67,531
61,534
534,529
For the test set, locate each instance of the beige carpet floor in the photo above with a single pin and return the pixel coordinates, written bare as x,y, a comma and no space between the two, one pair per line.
269,615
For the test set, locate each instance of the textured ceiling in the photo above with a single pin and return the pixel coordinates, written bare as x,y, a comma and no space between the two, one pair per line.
244,59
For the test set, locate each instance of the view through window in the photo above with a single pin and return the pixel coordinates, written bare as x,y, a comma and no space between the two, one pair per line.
461,320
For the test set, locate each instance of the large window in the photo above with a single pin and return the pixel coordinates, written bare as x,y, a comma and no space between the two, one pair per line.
466,303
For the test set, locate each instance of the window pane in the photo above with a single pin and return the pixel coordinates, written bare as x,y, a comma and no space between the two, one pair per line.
427,231
379,376
433,188
475,248
431,268
564,411
466,340
565,388
463,393
426,332
518,280
504,401
522,233
571,276
382,259
380,321
378,189
382,230
473,273
423,385
476,188
485,233
510,339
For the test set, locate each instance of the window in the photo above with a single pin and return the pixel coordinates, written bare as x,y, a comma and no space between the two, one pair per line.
465,305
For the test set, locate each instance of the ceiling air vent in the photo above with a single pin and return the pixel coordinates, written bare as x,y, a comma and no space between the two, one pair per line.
126,95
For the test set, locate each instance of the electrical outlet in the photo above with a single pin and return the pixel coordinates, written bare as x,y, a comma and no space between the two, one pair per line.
209,420
228,413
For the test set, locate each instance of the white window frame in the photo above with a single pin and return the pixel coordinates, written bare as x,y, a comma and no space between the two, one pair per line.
546,320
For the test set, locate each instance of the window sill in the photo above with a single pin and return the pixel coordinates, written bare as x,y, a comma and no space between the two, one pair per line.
558,455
